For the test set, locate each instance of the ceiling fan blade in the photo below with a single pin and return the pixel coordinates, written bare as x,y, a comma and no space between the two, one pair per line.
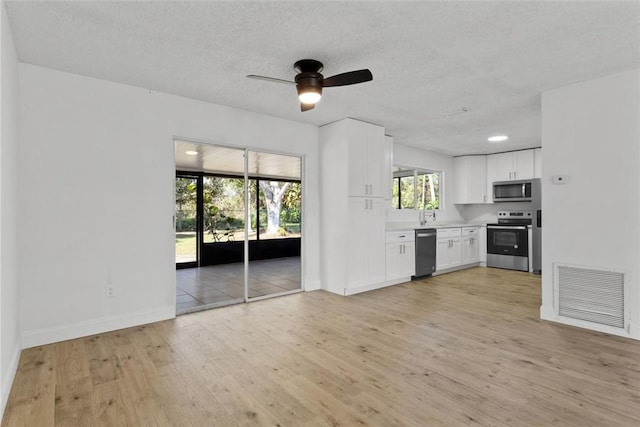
270,79
349,78
306,107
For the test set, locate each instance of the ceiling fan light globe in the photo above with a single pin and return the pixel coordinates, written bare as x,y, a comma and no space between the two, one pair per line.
309,97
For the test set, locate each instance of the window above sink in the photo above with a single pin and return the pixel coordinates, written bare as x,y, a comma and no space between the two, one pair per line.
415,188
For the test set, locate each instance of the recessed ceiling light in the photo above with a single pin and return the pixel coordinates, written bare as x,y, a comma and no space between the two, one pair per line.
498,138
191,153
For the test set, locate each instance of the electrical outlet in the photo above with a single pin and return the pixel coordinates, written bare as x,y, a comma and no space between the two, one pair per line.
109,291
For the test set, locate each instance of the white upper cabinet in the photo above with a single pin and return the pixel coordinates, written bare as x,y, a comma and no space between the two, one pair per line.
470,179
369,160
509,166
537,163
523,164
388,171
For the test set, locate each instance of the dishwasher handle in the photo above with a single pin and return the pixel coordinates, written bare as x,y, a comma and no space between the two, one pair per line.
425,234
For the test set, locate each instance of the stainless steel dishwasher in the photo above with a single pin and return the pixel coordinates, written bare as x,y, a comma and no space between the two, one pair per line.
425,251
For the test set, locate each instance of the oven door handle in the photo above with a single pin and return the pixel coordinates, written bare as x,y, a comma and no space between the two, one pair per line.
509,227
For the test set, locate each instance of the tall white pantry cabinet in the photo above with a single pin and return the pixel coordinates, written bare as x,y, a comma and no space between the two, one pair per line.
355,188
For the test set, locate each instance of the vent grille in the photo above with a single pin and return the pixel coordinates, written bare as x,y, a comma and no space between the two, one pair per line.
592,295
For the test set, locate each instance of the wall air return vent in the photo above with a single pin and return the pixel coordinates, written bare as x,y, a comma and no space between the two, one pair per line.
592,295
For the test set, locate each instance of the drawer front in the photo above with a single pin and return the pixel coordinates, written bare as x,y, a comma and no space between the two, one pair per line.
401,236
470,231
448,233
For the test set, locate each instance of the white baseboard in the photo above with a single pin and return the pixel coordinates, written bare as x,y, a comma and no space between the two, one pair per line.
550,315
374,286
8,377
95,326
457,268
547,313
634,330
312,286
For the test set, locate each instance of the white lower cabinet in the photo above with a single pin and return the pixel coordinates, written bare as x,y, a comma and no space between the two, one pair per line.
401,255
448,248
366,255
470,245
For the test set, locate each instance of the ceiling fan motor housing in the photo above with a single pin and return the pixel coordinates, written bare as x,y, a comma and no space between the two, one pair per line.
309,82
308,78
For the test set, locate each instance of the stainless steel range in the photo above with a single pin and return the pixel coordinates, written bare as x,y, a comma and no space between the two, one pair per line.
508,240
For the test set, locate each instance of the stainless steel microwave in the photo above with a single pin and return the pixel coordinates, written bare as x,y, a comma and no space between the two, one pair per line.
514,191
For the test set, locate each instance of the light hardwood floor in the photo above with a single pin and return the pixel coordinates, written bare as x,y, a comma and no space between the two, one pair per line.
464,348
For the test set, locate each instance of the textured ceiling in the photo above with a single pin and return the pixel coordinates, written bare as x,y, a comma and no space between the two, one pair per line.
427,58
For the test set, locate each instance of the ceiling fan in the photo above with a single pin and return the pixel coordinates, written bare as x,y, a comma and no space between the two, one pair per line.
310,82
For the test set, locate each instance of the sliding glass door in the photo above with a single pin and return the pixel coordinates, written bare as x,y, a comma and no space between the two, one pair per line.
238,225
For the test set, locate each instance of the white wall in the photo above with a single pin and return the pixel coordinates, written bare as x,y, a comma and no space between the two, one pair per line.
96,197
9,316
418,158
591,132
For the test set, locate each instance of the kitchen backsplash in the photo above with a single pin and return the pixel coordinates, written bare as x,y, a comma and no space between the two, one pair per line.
489,212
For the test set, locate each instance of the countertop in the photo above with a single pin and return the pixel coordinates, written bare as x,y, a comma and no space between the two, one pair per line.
394,226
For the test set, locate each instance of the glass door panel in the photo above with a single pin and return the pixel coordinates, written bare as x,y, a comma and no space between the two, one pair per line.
275,201
223,209
218,276
186,221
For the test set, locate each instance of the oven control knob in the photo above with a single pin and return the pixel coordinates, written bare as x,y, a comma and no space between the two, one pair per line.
515,246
